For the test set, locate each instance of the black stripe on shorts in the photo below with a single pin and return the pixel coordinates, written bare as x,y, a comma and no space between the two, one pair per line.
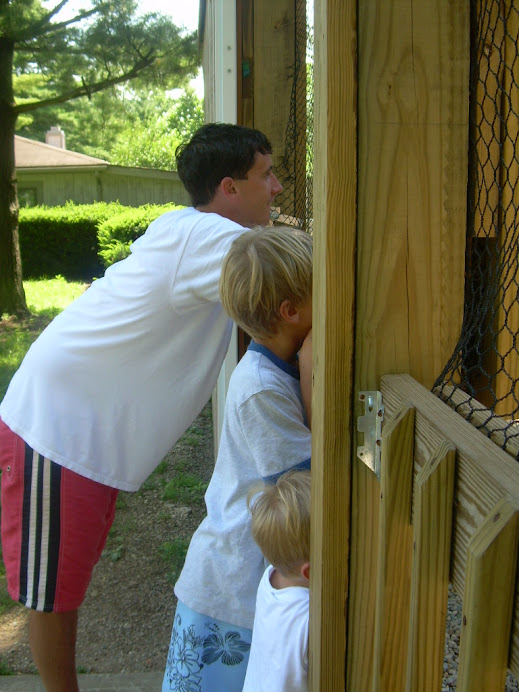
40,532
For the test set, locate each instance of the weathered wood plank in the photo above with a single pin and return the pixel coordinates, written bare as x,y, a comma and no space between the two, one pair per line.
395,553
488,601
432,530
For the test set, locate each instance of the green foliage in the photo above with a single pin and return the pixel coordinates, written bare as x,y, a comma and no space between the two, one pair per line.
123,125
5,669
79,241
173,553
153,133
118,232
63,240
184,488
104,44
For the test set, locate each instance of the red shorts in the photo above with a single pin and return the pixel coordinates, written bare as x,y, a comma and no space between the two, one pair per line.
54,527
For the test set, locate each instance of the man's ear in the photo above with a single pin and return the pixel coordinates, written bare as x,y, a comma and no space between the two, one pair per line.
227,186
305,571
288,312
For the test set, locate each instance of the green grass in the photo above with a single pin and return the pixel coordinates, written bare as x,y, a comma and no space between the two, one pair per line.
5,669
184,488
173,553
45,299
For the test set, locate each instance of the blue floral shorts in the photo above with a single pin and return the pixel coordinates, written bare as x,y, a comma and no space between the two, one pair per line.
205,655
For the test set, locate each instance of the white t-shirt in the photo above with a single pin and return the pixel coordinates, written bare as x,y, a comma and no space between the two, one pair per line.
263,435
119,375
278,659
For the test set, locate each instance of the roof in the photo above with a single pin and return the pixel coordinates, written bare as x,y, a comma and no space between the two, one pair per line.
31,154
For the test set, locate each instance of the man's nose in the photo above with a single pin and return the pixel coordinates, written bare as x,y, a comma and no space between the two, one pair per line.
276,186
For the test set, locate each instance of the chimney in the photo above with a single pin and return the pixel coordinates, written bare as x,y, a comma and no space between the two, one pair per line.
55,137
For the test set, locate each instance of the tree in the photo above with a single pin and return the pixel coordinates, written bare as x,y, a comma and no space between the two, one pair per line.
101,46
151,138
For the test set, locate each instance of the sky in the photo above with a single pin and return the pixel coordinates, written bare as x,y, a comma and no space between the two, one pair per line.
182,12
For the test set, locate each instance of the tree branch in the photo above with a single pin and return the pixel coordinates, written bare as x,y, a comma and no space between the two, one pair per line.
84,90
43,26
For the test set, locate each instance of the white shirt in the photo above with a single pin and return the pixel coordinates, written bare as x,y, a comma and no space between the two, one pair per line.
118,376
263,435
278,659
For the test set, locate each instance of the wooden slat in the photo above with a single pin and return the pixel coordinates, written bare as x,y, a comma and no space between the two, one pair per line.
333,333
432,529
488,601
395,553
484,472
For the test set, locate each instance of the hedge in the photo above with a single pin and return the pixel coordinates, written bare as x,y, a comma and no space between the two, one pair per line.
80,241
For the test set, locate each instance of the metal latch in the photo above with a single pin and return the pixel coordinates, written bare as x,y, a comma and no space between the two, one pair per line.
371,425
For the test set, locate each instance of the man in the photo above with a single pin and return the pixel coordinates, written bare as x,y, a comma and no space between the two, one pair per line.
113,382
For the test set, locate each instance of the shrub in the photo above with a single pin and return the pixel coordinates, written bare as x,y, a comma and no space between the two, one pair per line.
78,241
118,232
63,240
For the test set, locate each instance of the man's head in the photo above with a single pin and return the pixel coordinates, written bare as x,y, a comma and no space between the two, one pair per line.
281,521
228,169
265,270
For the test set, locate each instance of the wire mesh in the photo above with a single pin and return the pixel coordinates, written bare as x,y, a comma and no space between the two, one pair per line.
481,378
296,170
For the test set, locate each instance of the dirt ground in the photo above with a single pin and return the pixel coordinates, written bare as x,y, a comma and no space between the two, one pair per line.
125,622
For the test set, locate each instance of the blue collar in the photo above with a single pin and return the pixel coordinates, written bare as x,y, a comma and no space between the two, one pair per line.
282,364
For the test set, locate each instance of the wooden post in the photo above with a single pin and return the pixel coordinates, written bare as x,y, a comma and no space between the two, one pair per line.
413,72
333,331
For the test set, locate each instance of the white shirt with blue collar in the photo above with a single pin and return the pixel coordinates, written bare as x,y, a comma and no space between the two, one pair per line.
264,435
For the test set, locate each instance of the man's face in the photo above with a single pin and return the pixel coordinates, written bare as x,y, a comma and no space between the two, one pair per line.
256,193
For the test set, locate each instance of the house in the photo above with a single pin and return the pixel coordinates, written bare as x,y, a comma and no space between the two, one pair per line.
50,174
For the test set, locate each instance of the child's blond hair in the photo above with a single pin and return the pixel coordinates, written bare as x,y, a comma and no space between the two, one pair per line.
281,521
264,267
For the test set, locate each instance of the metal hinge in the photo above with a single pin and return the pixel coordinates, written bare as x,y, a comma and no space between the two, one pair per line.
371,425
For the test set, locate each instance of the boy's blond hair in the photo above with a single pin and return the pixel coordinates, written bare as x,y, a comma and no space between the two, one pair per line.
281,521
264,267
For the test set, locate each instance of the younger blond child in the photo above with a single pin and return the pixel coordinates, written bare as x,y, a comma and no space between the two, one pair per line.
278,659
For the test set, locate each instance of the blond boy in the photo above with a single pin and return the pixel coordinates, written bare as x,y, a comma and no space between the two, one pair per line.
278,660
266,287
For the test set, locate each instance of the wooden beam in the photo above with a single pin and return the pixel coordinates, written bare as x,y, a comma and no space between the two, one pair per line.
333,329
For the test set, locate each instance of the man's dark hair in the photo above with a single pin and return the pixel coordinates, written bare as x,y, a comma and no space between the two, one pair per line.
215,151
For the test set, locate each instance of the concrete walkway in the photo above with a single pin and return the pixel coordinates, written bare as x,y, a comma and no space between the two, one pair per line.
133,682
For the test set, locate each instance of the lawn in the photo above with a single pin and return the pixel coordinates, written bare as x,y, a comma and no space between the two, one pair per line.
45,299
